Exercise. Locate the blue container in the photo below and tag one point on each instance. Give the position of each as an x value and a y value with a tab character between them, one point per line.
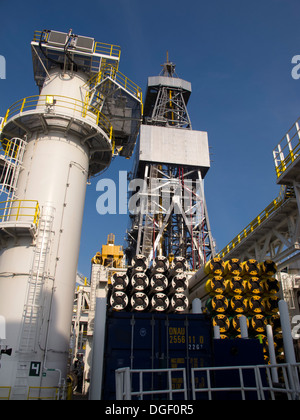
188	346
155	341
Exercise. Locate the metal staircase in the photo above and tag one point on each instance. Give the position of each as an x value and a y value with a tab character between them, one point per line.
120	100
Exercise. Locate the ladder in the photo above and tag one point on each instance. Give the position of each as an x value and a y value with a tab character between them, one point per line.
36	282
34	302
93	98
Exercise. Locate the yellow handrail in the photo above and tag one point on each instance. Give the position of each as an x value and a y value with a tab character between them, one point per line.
20	210
288	160
39	389
37	36
288	149
59	104
99	47
107	49
109	71
9	148
8	389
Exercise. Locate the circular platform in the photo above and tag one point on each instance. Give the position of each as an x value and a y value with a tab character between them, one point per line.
68	115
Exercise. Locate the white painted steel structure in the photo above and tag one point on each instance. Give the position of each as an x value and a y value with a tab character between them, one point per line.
67	139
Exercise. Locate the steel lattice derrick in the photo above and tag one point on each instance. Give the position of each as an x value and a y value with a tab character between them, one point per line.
174	217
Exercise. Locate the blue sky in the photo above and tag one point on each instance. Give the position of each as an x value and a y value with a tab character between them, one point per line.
237	55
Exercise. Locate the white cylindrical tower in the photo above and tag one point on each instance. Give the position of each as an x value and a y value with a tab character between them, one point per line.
67	139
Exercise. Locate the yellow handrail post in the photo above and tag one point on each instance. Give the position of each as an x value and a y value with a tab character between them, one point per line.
36	213
18	212
7	147
6	116
23	104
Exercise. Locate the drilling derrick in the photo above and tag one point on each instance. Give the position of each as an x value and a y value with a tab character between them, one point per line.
86	112
172	160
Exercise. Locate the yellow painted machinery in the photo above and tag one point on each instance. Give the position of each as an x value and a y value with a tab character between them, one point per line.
111	255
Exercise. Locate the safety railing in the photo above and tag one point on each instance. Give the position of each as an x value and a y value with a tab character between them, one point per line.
60	105
11	148
20	210
5	392
110	71
12	152
247	382
43	393
6	148
99	47
124	382
288	149
265	214
107	49
37	36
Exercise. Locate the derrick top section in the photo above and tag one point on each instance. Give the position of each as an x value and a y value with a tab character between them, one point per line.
166	99
166	135
168	68
51	49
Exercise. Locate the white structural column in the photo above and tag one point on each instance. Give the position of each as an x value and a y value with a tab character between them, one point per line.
55	171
